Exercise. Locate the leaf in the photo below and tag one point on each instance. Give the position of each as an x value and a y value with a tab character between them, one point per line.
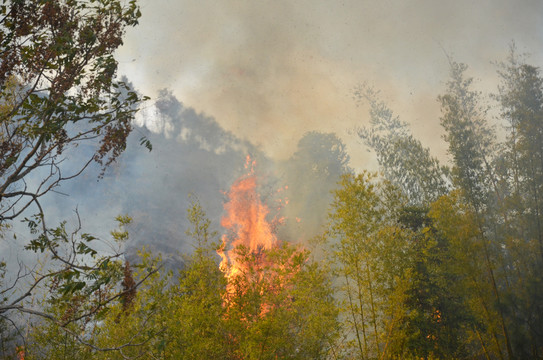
72	287
147	143
161	345
82	248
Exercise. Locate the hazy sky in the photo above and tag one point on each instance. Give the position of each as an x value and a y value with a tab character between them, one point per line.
271	70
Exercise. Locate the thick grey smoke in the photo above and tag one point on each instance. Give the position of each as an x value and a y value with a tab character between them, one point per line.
269	71
193	154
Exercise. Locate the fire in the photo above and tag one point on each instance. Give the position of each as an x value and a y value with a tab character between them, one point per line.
246	224
20	352
254	261
260	270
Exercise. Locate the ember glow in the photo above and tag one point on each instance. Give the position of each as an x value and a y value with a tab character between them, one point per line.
246	224
20	353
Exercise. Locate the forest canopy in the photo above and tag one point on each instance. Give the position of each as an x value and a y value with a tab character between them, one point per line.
428	259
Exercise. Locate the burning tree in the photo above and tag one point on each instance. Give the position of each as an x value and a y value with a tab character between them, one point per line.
278	304
249	232
278	308
283	308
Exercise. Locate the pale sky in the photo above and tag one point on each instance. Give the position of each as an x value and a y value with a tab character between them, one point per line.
271	70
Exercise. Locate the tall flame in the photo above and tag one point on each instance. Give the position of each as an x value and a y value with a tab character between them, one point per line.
246	223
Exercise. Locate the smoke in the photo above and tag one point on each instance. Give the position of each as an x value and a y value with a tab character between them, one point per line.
193	158
271	71
257	78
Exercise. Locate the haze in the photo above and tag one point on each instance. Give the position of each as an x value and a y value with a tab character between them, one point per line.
271	71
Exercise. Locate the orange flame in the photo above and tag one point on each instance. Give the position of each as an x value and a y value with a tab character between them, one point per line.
245	222
20	352
253	259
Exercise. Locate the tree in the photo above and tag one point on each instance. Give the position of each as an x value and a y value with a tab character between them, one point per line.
435	301
58	91
76	299
139	325
194	314
311	174
469	137
471	144
396	280
521	99
405	162
455	220
368	262
283	308
8	333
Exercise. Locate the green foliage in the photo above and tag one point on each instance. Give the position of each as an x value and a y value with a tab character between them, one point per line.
521	179
405	162
368	263
7	335
59	89
437	311
469	137
136	330
281	309
455	221
397	285
501	187
426	263
315	168
78	297
193	316
281	306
